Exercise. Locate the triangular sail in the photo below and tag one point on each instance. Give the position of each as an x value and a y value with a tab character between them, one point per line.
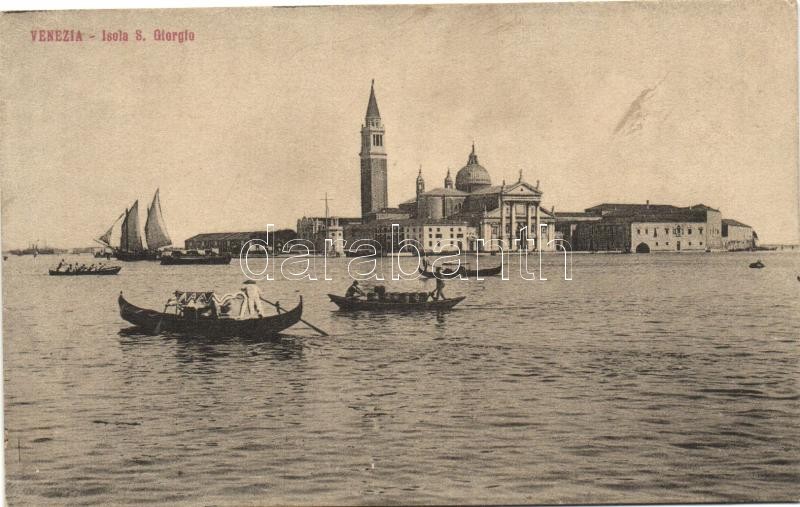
106	238
155	231
131	240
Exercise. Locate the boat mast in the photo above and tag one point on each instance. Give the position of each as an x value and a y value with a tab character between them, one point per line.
123	239
327	232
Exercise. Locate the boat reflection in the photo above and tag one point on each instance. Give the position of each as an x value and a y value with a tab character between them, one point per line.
198	349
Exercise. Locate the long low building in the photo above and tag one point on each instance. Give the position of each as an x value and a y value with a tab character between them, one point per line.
644	228
232	242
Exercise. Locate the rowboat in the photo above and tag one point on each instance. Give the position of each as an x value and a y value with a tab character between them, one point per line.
111	270
353	304
757	265
155	322
462	271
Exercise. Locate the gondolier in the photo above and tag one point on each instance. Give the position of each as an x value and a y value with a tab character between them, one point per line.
252	299
439	292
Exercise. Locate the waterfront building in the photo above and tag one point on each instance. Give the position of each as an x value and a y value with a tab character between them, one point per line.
232	242
440	235
317	229
738	236
643	228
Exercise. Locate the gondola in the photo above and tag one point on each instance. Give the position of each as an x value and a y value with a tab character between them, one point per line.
155	322
462	271
352	304
111	270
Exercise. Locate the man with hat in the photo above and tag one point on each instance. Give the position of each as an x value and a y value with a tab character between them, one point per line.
252	298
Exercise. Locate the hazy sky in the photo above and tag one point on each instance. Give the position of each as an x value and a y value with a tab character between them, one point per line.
255	120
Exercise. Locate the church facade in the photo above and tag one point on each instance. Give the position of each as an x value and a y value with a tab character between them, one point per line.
505	214
470	212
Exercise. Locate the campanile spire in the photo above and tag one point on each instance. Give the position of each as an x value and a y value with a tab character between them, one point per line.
374	192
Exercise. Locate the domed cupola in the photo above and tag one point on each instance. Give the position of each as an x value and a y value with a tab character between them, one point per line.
472	176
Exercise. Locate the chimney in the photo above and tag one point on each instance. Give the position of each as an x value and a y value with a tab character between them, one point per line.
648	204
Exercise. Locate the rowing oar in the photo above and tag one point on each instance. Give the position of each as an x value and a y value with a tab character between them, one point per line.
161	320
307	323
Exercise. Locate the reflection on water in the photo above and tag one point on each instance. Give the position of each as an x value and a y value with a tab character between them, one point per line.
655	378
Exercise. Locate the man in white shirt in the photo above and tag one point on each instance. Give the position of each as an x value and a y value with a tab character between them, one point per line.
252	299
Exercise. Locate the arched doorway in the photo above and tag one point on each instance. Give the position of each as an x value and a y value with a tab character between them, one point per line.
642	248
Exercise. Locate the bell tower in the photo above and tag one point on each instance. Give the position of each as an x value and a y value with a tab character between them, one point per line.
374	194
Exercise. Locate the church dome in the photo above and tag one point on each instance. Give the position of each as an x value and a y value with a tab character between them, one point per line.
473	175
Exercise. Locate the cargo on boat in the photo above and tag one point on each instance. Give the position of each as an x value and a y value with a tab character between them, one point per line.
403	304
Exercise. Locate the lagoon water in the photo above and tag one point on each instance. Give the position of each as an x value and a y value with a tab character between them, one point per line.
647	378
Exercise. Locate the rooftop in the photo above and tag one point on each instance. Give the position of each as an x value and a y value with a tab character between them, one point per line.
735	223
445	192
222	236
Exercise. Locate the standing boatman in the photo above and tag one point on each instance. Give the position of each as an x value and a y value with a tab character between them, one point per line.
439	292
252	299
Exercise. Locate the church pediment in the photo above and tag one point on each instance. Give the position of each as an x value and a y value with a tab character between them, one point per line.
521	189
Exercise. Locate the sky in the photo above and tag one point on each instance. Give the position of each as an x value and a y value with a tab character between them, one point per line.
256	119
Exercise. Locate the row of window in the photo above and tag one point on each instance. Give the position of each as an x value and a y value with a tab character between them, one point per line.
438	229
690	243
431	244
677	231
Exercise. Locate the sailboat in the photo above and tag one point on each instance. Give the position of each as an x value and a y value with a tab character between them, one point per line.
131	247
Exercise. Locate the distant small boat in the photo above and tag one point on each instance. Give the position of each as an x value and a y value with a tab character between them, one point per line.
757	264
354	304
462	271
193	257
110	270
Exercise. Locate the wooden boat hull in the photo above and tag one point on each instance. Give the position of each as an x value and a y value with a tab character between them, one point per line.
168	260
135	256
462	271
350	304
155	322
100	272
